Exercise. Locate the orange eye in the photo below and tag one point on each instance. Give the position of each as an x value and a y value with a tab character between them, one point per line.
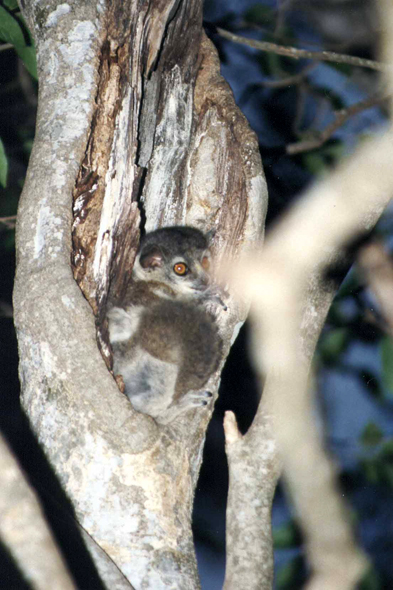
180	268
206	263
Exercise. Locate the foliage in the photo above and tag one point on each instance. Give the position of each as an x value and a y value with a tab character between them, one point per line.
17	110
3	165
13	30
387	363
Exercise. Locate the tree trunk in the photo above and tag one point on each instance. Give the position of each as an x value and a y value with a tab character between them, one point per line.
135	128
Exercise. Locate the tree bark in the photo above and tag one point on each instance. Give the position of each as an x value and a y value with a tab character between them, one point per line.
134	122
24	530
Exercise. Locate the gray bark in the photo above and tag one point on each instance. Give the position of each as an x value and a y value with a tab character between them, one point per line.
133	114
24	530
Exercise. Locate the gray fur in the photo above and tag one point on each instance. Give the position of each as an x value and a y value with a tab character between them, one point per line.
165	342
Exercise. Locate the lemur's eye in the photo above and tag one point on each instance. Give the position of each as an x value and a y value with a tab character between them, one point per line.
180	268
206	263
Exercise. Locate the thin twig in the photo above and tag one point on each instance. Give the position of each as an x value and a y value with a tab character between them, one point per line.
9	221
296	53
6	46
322	107
290	80
288	40
282	9
342	117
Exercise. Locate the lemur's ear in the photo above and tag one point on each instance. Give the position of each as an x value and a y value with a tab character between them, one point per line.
210	235
151	257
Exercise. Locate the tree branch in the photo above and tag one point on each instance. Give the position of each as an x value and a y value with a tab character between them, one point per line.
6	46
9	221
341	117
290	80
278	281
290	301
24	530
296	53
254	469
204	169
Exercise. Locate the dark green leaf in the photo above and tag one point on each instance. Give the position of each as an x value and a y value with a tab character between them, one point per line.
29	35
11	4
289	576
387	363
333	344
3	165
334	150
336	318
349	286
28	56
314	162
387	449
370	468
274	65
286	536
9	241
27	146
259	14
387	474
371	581
371	435
10	29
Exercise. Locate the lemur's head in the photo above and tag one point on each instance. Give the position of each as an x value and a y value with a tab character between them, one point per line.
177	256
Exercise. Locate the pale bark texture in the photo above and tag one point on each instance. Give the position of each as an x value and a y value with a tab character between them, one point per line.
135	126
254	469
24	530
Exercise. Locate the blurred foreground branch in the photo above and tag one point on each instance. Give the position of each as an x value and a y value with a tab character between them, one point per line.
290	299
24	530
279	281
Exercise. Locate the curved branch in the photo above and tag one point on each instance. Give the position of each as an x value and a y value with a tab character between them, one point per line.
280	281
